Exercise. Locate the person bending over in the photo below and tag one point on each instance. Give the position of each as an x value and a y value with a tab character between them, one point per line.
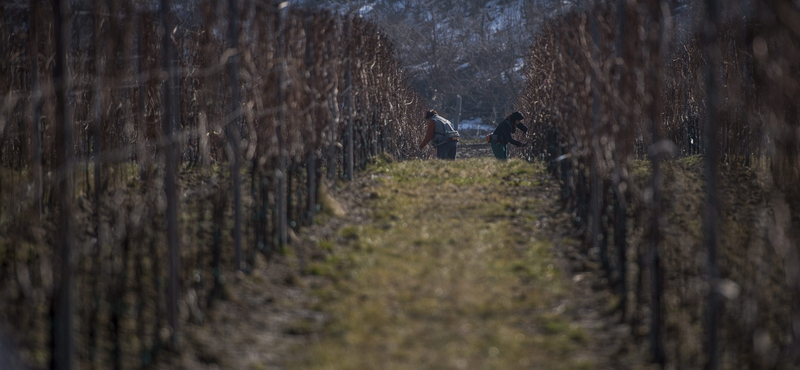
502	135
441	135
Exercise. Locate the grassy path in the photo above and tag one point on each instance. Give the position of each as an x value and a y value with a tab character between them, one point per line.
451	268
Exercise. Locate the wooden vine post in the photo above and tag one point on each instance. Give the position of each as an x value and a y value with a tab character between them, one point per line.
63	346
711	212
169	122
233	130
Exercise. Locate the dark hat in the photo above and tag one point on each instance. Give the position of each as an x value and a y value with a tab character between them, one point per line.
516	116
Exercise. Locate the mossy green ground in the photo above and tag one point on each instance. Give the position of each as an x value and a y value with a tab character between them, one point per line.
448	271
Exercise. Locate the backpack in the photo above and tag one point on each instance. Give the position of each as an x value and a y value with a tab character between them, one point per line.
444	131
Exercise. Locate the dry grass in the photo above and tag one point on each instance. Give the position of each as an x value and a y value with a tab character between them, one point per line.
447	273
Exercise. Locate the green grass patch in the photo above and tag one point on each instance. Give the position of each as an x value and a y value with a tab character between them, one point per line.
349	232
325	245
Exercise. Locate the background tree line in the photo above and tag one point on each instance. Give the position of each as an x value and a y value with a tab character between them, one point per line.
473	48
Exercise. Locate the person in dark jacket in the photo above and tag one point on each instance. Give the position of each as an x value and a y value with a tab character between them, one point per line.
502	135
441	135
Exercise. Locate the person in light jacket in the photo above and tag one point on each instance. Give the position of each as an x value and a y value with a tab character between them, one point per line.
441	135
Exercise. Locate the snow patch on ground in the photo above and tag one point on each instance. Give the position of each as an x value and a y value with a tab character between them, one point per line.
365	10
474	124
